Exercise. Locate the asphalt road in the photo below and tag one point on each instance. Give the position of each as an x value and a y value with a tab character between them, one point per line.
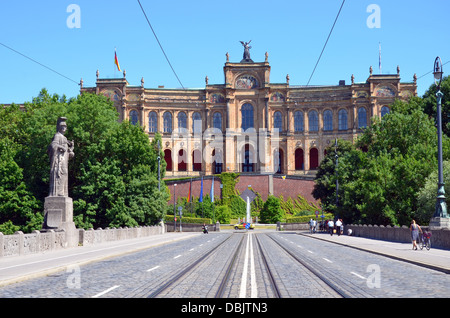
232	266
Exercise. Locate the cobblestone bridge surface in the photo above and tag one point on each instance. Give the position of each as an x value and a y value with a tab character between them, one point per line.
232	262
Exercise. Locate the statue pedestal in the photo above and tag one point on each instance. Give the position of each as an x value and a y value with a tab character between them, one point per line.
58	215
439	223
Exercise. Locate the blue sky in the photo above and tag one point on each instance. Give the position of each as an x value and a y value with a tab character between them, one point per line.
197	34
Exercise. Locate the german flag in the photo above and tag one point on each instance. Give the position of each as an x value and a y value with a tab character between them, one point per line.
116	61
189	194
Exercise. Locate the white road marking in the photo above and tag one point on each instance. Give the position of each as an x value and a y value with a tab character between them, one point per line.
254	290
326	259
242	291
243	288
105	291
357	275
177	256
153	268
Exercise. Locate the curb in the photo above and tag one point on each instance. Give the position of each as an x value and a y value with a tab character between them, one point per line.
418	263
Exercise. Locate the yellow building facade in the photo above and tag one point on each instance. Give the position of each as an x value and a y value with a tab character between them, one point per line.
248	124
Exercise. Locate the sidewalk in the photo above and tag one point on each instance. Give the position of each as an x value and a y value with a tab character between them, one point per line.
437	259
18	268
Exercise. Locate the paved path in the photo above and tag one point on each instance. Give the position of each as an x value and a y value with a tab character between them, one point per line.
18	268
437	259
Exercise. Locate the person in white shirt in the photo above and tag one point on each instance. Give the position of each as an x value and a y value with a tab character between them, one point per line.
339	227
331	226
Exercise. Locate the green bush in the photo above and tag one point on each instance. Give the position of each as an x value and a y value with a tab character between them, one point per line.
306	218
169	218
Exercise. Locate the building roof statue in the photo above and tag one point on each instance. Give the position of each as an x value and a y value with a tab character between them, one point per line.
247	47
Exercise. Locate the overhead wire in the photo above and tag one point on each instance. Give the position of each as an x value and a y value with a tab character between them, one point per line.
323	49
159	43
39	63
430	71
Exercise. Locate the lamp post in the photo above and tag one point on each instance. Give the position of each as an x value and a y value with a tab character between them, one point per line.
159	167
175	207
440	218
337	180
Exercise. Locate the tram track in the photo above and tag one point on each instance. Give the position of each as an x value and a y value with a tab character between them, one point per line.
313	270
232	272
194	266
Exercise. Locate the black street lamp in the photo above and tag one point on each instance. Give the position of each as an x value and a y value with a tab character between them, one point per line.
159	166
440	217
336	172
175	207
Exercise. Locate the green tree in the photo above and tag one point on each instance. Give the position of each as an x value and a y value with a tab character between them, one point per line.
206	208
223	214
427	195
113	176
401	156
430	104
119	186
271	212
18	207
229	181
380	176
237	206
350	163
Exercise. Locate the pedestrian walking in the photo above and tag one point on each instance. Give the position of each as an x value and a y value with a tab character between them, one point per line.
339	227
312	226
331	227
415	228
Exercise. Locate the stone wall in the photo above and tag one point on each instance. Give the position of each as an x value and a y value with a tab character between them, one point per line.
290	186
98	236
191	227
439	238
37	242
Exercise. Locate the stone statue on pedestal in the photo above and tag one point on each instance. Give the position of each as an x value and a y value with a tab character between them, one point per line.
60	151
58	206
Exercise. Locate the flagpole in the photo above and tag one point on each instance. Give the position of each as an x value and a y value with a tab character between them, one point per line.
190	195
379	58
212	200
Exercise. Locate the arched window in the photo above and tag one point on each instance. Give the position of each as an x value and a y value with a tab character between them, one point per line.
327	120
313	120
217	163
167	117
196	160
134	117
362	118
217	120
313	159
196	122
298	121
182	159
248	165
182	120
384	111
168	159
278	160
277	121
247	116
342	119
152	122
299	159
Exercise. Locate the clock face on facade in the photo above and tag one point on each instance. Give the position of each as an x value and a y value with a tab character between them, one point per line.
246	82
